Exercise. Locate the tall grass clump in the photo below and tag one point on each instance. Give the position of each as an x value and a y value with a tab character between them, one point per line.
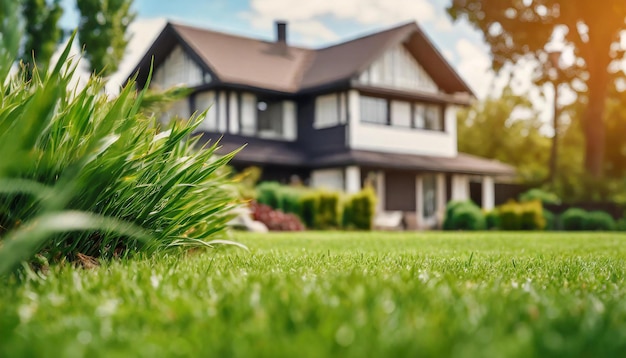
85	174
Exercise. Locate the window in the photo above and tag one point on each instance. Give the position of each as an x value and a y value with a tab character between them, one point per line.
429	195
374	110
270	118
433	118
419	119
401	114
330	110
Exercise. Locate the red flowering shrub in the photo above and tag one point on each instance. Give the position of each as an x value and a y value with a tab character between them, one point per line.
275	220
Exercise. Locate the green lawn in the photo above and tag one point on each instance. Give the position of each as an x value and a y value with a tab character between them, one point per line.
335	294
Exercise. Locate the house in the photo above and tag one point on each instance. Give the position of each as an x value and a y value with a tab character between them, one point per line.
379	109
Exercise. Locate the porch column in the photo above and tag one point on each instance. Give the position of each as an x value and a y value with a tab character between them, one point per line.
380	191
441	196
460	187
353	179
488	193
419	203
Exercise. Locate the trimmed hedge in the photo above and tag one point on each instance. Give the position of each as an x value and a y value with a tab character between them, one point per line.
573	219
464	215
598	221
359	210
522	216
328	215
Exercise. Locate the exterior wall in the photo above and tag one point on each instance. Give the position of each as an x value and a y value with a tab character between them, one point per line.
317	141
460	187
397	68
353	179
375	137
332	179
179	69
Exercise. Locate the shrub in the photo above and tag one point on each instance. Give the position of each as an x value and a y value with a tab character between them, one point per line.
275	220
359	210
543	196
309	203
290	200
573	219
464	216
621	224
522	216
598	221
268	193
550	219
492	219
328	214
82	174
450	208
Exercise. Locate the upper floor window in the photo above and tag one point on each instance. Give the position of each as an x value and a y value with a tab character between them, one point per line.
374	110
330	110
428	116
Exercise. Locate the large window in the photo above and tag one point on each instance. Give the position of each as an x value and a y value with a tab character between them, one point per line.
428	116
270	118
374	110
330	110
429	195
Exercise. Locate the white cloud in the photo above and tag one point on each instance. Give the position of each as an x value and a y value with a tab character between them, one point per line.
306	17
475	67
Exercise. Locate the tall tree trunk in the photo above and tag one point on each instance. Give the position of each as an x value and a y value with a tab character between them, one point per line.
594	126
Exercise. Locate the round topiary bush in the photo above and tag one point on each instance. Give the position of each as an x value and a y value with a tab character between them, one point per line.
573	219
598	221
468	216
550	218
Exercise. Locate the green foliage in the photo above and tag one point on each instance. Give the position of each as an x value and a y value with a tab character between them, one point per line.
83	174
309	204
543	196
268	193
102	29
41	33
359	210
489	129
550	219
518	30
598	221
522	216
573	219
492	219
464	216
328	215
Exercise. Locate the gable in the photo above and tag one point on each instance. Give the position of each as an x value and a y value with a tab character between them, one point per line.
179	68
397	68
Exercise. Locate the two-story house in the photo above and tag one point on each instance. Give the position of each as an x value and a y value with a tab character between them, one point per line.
379	109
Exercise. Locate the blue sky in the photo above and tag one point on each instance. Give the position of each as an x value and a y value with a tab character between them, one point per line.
312	23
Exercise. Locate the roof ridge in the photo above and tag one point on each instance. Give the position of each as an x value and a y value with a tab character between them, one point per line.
369	34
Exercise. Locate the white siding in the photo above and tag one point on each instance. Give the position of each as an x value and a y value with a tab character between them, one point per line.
397	68
206	100
290	130
248	114
392	139
221	116
233	113
331	179
178	69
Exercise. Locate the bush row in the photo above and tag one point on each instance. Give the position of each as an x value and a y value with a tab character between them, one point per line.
321	209
528	215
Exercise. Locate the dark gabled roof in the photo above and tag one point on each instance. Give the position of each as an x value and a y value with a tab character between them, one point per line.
274	66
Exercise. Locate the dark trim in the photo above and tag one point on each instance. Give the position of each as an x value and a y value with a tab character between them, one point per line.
192	104
335	86
390	93
388	111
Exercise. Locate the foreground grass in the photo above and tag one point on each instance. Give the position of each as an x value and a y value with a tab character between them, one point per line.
334	294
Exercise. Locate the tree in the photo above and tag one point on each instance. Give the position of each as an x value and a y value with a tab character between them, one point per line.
518	28
102	30
489	129
41	32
